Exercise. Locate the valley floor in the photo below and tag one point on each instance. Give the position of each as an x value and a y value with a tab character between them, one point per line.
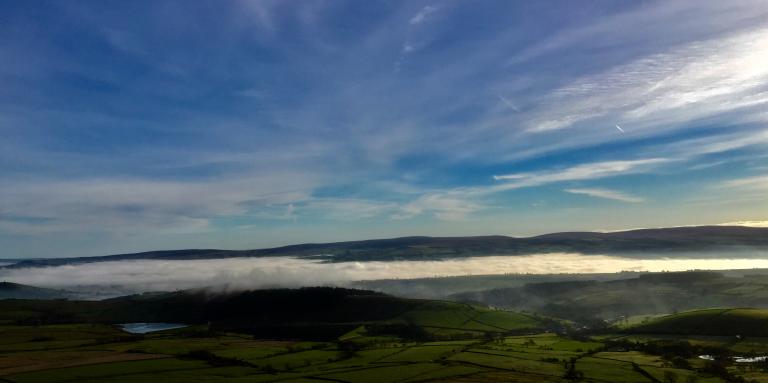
99	353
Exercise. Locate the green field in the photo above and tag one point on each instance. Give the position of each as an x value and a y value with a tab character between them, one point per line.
449	318
101	353
339	335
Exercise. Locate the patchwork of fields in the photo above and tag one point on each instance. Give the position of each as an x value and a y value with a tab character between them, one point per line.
348	336
99	353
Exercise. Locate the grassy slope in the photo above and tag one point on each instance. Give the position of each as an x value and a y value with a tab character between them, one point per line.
722	322
658	293
449	315
98	353
76	353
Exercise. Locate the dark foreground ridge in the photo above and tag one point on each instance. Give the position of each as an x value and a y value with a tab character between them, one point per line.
316	313
645	242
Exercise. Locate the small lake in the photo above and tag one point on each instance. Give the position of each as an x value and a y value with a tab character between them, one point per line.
750	360
739	359
143	328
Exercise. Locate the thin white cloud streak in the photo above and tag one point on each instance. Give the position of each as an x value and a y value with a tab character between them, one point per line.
682	151
423	14
587	171
348	208
721	143
443	206
757	183
154	275
508	103
415	39
707	165
607	194
507	177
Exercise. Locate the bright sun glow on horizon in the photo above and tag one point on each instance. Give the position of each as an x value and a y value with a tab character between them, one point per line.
747	223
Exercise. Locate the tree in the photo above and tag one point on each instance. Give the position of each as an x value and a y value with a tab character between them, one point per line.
670	377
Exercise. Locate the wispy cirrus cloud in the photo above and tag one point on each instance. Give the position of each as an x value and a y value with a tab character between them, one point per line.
415	39
691	148
457	203
423	14
607	194
589	171
663	89
748	183
444	206
348	208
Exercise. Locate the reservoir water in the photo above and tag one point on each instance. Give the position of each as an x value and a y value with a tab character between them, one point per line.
143	328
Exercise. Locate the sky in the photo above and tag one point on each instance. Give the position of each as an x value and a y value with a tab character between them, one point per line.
143	125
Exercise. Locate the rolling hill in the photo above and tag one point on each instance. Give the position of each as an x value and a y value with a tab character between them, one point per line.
719	322
644	242
306	313
10	290
653	293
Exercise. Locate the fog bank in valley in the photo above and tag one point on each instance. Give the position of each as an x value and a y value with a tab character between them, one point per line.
241	273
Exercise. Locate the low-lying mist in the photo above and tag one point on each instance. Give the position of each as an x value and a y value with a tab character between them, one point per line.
116	278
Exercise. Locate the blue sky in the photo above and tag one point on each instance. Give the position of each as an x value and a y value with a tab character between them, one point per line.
128	126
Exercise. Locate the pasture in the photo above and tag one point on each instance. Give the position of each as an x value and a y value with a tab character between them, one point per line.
98	353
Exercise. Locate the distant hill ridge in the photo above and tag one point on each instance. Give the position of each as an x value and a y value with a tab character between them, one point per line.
629	243
10	290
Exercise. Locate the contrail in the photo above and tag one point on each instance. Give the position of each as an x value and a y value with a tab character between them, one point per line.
508	103
619	128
